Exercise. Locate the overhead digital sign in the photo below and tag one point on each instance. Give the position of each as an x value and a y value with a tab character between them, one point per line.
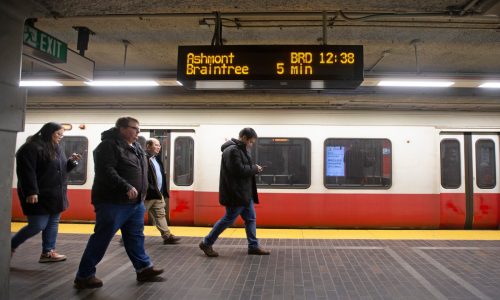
270	67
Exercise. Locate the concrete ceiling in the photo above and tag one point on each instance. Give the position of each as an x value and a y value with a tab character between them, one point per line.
447	42
447	38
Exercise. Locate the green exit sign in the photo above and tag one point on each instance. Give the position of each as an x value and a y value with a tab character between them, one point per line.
46	46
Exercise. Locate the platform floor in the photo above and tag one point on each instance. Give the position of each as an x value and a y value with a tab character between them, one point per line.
441	266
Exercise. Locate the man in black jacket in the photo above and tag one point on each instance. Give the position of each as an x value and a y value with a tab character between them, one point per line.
118	195
237	192
157	191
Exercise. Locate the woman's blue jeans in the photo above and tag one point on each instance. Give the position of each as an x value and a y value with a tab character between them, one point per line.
248	215
47	224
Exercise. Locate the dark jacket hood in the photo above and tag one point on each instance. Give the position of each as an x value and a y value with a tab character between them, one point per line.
114	134
110	134
231	142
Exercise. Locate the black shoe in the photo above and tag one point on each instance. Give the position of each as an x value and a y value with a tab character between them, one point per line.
170	239
208	250
148	274
88	283
258	251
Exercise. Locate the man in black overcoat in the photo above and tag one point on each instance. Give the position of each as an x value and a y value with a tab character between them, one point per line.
237	192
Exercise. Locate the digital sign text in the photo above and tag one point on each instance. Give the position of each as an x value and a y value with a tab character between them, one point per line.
287	65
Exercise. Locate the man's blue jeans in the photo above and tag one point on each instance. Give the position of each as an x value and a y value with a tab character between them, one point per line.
47	224
129	218
248	215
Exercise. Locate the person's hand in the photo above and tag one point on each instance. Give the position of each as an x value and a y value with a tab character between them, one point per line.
75	157
32	199
259	168
132	193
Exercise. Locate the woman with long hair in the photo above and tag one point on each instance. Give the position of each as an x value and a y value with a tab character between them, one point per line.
42	184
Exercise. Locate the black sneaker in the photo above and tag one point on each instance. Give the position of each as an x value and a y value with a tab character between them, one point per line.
208	250
258	251
170	239
148	274
88	283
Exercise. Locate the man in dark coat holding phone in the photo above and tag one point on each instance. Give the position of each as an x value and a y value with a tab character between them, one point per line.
237	192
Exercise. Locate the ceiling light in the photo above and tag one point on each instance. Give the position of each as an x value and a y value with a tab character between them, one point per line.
39	83
220	84
416	83
491	85
122	83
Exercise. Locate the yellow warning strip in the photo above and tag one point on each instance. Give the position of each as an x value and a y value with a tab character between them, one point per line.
334	234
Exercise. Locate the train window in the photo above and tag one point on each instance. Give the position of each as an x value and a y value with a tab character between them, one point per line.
183	161
450	164
286	162
485	164
358	163
76	144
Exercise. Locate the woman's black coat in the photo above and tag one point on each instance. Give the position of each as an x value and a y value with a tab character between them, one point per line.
38	175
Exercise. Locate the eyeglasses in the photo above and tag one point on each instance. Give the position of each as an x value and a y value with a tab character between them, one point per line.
136	128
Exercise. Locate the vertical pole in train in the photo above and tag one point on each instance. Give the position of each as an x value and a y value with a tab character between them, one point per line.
469	181
12	109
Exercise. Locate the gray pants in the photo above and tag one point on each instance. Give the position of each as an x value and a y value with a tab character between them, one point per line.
156	211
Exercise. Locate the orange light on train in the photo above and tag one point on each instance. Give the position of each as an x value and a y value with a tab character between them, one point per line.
67	126
82	126
280	140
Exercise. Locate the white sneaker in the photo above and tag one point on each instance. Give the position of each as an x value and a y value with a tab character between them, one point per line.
51	256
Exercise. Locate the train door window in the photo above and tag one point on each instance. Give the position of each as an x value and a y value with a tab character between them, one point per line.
183	161
163	136
76	144
485	164
286	162
450	164
358	163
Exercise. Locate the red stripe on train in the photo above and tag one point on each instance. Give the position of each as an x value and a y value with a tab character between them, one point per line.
486	211
317	210
80	208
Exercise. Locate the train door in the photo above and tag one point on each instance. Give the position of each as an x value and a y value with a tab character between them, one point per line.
182	178
470	195
486	191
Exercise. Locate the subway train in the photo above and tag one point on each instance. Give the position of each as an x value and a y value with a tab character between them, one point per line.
323	168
